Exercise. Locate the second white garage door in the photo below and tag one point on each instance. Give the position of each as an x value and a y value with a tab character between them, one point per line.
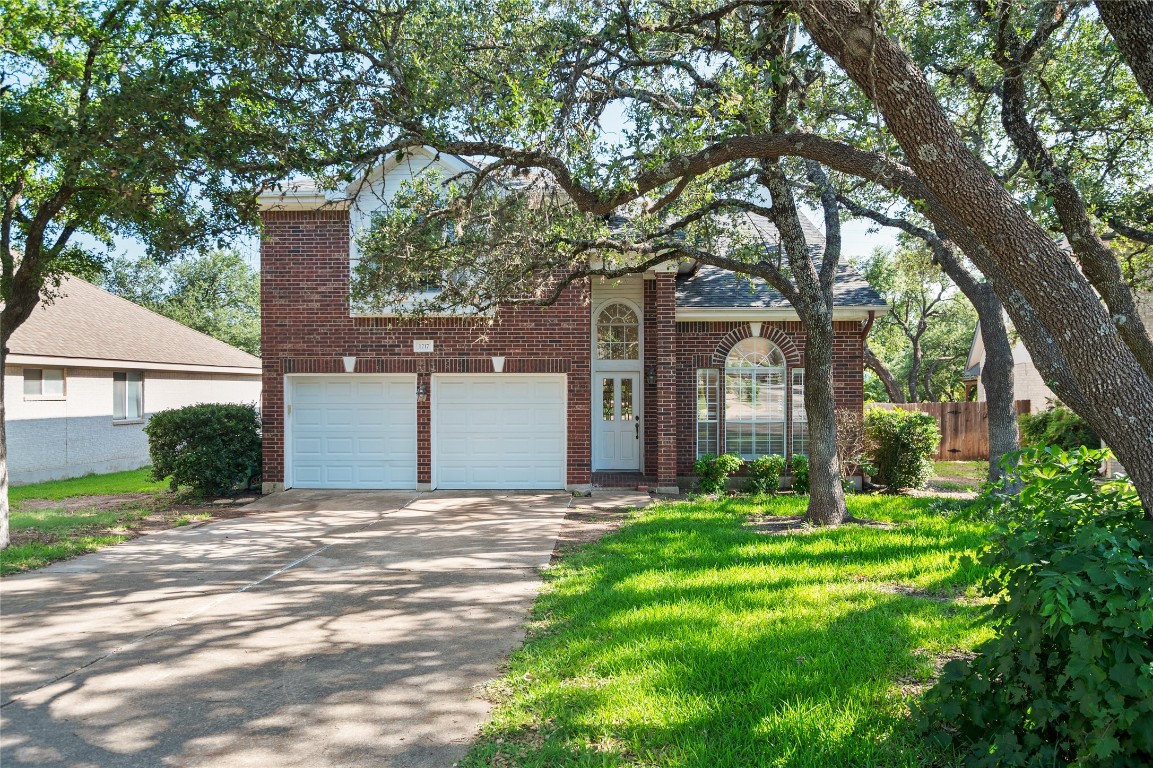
499	431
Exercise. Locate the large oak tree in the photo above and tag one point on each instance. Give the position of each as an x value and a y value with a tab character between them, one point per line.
149	119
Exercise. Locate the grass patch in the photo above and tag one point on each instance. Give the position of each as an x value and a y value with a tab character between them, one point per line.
43	536
960	474
133	481
37	554
189	518
689	639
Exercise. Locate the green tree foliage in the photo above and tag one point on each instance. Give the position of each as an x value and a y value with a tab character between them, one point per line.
925	337
216	293
1068	680
902	445
212	448
1057	427
153	119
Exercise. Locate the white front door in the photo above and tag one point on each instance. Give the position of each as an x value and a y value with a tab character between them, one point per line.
617	421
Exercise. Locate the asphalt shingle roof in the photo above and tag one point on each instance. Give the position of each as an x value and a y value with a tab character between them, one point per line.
87	322
711	287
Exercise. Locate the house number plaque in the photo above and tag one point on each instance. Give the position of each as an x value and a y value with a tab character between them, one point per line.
422	346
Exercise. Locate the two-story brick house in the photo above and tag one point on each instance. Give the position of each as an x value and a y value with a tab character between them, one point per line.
617	382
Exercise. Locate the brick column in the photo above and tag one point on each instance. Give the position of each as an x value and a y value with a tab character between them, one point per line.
664	312
424	433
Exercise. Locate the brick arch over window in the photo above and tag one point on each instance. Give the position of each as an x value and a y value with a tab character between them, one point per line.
742	331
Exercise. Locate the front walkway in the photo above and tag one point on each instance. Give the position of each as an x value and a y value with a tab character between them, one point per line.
327	629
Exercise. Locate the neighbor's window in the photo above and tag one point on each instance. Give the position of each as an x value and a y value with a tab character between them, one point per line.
618	333
800	418
44	382
127	395
755	399
708	403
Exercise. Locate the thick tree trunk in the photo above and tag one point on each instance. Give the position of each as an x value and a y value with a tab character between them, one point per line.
1026	267
1130	22
914	371
997	377
892	388
826	494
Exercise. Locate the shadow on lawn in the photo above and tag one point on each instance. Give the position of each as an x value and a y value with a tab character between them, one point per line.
694	641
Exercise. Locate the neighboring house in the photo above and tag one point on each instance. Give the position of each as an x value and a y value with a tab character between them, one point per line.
1028	383
84	373
620	382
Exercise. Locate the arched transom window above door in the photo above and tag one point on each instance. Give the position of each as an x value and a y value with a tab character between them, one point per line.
618	333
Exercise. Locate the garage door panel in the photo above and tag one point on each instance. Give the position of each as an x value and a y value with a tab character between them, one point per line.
504	431
353	432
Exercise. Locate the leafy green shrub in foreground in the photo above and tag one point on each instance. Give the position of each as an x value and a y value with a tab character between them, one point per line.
1058	427
800	467
765	473
1069	677
712	471
902	445
212	447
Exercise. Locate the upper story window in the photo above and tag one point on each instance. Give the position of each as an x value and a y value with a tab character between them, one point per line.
755	399
127	396
44	383
618	333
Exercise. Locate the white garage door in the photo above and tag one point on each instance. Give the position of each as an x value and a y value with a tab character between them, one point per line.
499	431
352	432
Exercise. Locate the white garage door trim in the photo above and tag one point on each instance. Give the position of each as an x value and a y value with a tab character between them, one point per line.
554	478
402	472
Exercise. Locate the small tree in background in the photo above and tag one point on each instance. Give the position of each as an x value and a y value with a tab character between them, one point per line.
216	293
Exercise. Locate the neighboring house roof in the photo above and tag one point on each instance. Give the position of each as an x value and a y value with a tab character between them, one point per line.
87	323
714	288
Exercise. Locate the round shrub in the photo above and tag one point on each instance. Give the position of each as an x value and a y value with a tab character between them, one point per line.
1068	679
901	446
712	471
765	473
212	448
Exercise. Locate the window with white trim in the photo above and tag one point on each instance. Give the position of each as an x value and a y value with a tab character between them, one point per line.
708	405
800	429
44	383
127	396
618	333
755	399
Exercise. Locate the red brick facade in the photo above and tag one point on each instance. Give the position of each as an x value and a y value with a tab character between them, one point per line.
307	328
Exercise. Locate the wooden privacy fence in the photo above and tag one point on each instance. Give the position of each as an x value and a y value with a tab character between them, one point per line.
964	426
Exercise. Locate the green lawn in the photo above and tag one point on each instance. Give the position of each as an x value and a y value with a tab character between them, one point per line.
959	475
43	536
133	481
690	639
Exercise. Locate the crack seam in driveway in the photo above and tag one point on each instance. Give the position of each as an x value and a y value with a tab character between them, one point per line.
197	612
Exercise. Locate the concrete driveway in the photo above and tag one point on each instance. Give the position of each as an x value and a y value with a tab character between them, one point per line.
325	629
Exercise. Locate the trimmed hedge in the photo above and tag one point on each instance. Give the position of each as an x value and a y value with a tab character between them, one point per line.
212	448
765	473
901	446
713	471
